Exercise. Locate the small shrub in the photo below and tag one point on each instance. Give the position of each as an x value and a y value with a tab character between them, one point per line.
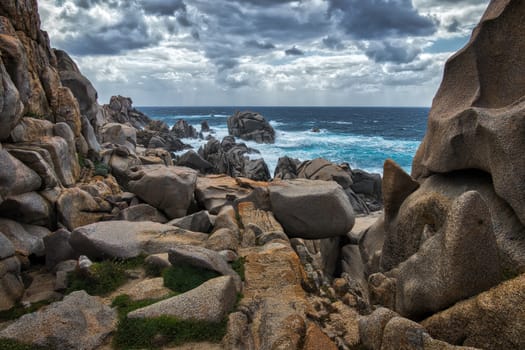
104	278
20	310
238	266
9	344
183	278
101	169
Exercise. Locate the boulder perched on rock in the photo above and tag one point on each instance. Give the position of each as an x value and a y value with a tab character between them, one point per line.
251	126
80	321
209	302
311	209
477	119
126	239
169	189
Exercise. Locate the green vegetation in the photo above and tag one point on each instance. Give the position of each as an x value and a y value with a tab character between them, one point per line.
101	169
183	278
81	160
104	277
156	332
19	310
238	266
8	344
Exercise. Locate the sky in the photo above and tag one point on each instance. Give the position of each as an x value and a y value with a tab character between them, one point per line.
262	52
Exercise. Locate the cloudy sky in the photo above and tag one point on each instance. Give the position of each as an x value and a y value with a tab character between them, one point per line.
262	52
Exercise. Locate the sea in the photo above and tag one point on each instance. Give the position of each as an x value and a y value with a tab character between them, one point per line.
361	136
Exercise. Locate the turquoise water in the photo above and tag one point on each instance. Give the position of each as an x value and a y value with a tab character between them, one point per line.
361	136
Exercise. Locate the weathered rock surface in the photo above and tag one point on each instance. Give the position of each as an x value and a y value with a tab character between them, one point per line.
28	208
15	177
80	321
77	208
210	302
274	305
477	120
182	129
491	320
231	158
57	248
169	189
126	239
311	209
198	222
456	263
216	191
11	107
120	110
119	134
27	239
251	126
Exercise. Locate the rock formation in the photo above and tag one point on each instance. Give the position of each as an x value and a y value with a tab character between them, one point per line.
251	126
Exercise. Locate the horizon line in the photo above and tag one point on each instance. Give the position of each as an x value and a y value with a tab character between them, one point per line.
280	106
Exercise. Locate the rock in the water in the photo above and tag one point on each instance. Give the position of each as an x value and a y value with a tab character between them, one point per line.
286	168
251	126
492	320
80	321
169	189
477	119
182	130
311	209
192	159
456	263
126	239
210	302
202	257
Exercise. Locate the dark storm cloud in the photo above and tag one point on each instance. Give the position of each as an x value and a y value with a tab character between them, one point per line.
333	43
385	51
294	51
263	45
379	19
163	7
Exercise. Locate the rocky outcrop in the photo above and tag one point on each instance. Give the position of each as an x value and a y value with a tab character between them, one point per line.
251	126
233	159
120	110
169	189
80	321
311	209
364	193
477	120
182	130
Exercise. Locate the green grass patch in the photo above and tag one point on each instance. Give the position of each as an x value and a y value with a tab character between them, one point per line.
9	344
104	277
156	332
20	310
238	266
183	278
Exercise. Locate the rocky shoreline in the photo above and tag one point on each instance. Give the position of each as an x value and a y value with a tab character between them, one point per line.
107	240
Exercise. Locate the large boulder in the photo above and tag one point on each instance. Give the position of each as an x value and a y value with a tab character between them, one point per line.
76	207
311	209
251	126
80	86
169	189
460	261
27	239
182	129
491	320
80	321
119	134
126	239
15	177
209	302
477	120
29	208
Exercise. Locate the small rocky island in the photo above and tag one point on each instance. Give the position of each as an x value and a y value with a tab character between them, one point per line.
109	241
